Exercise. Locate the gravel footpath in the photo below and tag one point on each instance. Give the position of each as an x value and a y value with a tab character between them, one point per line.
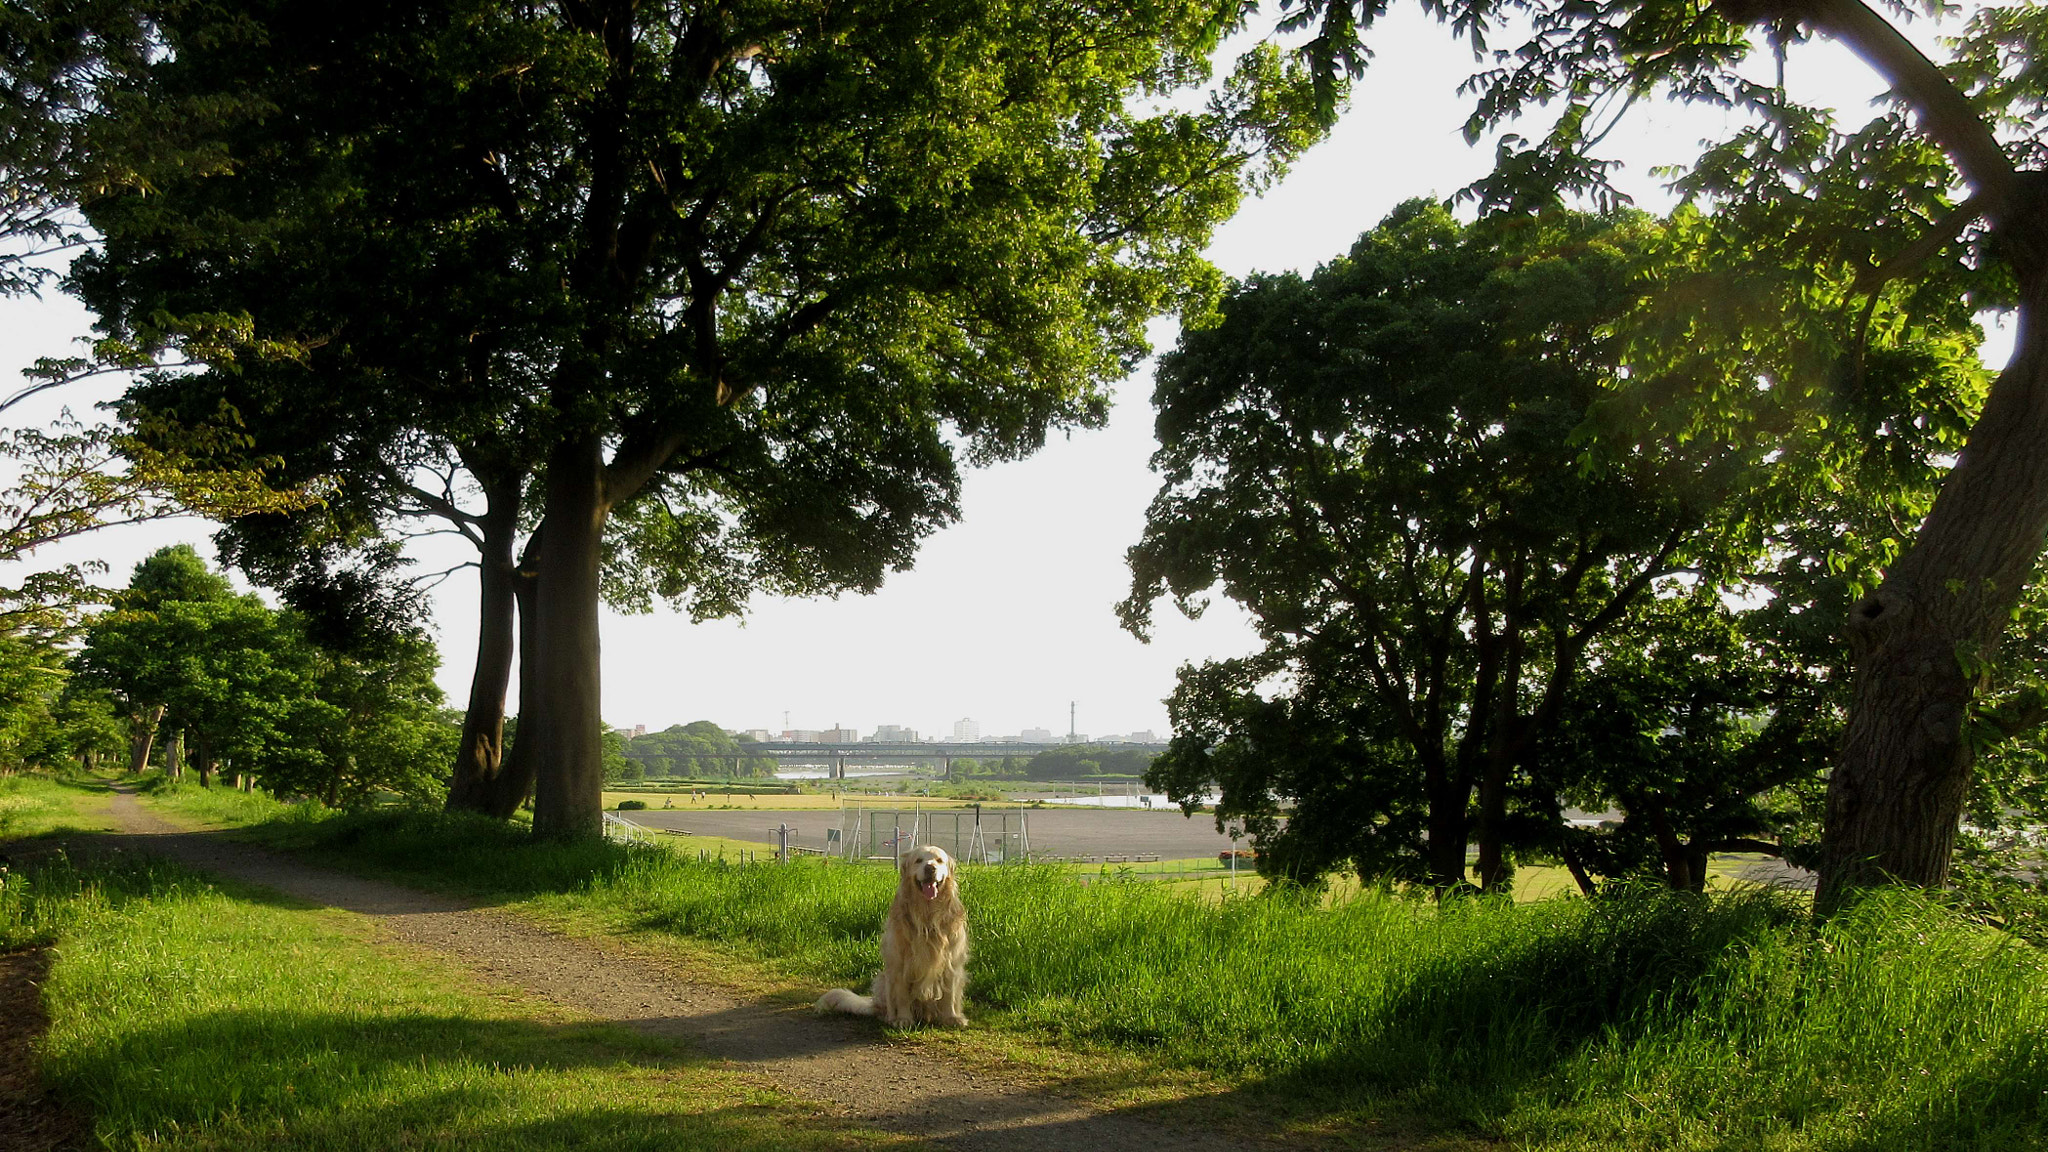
844	1063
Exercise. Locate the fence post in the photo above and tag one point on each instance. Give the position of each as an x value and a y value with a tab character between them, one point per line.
782	843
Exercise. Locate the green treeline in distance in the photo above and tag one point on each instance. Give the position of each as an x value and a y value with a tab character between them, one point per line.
1074	762
696	750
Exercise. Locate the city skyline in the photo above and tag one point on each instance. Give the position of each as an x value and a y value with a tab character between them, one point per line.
899	733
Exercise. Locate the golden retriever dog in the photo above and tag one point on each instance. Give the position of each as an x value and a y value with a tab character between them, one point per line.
924	950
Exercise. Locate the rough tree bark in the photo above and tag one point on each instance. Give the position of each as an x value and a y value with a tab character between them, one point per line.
482	781
1897	792
559	727
142	736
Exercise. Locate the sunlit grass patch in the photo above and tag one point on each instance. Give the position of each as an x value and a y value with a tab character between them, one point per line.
32	804
219	804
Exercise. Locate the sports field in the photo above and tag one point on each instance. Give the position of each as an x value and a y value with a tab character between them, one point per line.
1053	831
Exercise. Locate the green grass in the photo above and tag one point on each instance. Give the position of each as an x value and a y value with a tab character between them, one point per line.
219	804
1643	1020
188	1016
34	805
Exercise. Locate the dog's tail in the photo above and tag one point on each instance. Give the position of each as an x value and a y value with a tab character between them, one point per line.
841	1000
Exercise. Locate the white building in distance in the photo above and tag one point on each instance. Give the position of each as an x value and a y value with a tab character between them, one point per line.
966	730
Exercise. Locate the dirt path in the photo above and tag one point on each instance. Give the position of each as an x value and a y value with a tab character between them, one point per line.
844	1063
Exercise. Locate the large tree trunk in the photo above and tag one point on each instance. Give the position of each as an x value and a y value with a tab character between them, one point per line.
1450	794
174	755
481	781
1897	793
559	728
142	735
1502	728
202	759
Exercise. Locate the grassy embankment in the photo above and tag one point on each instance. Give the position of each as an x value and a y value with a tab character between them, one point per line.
1645	1020
33	805
187	1015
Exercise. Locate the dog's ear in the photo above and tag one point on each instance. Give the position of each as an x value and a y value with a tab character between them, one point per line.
903	860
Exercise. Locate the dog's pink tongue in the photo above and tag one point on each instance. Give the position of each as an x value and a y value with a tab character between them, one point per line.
930	887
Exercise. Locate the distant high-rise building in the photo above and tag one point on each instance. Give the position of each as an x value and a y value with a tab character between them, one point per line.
966	730
838	735
1036	736
894	734
1144	736
757	735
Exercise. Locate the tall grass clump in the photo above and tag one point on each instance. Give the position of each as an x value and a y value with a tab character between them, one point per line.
1896	1024
60	895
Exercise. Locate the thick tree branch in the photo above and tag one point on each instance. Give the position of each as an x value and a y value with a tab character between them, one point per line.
1945	113
1937	236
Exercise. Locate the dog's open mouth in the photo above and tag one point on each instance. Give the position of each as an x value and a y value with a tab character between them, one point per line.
930	888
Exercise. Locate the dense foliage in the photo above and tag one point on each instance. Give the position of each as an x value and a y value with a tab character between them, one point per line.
1939	188
721	295
699	749
252	691
1446	476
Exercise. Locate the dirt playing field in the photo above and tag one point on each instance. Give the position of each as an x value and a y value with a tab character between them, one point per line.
1053	831
847	1064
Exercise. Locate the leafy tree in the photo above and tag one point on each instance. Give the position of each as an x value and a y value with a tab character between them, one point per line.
133	662
366	723
1424	473
53	56
698	749
31	675
616	767
86	727
1924	636
333	699
57	61
1705	728
734	288
223	670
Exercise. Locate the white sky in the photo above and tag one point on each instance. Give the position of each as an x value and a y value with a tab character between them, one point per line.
1007	616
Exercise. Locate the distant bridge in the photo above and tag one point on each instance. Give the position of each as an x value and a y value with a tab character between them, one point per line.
834	755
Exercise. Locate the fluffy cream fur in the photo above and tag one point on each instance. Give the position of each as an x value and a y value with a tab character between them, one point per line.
924	950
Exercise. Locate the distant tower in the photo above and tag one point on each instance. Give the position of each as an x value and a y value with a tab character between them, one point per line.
1071	705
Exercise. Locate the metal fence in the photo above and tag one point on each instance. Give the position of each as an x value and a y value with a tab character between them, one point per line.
981	834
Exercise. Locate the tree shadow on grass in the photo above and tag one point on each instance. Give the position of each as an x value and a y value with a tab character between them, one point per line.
1474	1027
327	1080
472	856
1553	1029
